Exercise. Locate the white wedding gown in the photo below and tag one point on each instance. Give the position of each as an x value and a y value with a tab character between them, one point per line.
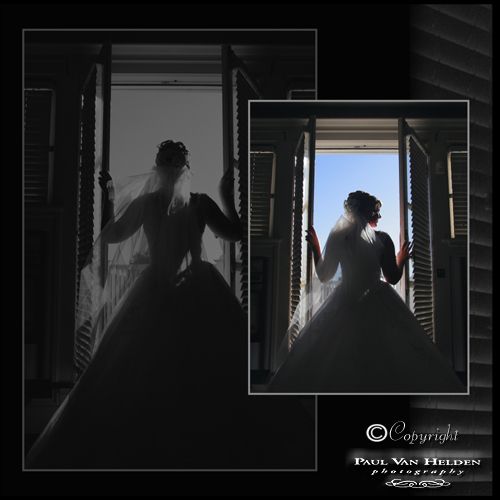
363	338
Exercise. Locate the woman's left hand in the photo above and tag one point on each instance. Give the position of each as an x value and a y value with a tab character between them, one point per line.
405	253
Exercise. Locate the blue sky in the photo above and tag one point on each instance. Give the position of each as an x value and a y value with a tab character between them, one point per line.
337	175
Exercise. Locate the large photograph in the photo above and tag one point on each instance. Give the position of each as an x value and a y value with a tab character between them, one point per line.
136	237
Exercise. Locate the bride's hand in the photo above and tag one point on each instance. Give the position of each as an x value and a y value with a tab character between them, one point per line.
104	178
312	240
405	253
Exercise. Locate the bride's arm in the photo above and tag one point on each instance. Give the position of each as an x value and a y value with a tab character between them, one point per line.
221	225
225	223
325	267
114	231
392	264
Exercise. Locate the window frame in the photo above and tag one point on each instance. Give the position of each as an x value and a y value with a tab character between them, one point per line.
131	66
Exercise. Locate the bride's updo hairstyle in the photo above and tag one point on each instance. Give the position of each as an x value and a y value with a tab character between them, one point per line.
359	201
172	167
172	154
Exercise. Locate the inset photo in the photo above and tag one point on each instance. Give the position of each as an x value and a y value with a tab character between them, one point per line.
359	247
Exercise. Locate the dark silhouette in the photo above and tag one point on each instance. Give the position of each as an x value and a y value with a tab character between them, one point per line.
362	338
166	387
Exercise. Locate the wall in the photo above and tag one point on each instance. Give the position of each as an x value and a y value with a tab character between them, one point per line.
284	142
444	248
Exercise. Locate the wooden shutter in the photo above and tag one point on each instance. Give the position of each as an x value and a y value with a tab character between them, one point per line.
245	91
457	182
451	54
261	193
85	235
37	147
95	119
303	207
296	253
310	153
238	88
423	300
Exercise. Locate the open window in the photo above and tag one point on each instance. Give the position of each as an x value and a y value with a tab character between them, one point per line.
230	80
402	147
416	206
416	285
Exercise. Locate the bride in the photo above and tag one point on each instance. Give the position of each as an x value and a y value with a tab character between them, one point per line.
362	338
166	382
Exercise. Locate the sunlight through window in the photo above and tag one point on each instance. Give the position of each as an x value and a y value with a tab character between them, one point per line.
337	175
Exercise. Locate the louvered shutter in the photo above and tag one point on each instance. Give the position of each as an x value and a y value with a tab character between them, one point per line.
85	236
310	154
296	253
37	147
238	89
261	193
451	53
95	121
423	301
245	91
303	204
457	181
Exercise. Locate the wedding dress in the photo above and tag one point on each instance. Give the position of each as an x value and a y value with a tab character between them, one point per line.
362	338
166	386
